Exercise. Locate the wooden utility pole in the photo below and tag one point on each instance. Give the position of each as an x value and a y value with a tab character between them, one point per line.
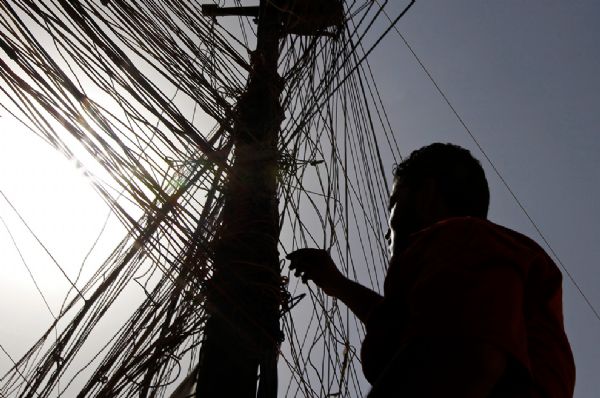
242	335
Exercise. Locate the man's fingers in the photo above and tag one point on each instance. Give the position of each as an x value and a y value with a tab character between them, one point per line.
297	254
300	270
296	263
305	262
305	253
299	267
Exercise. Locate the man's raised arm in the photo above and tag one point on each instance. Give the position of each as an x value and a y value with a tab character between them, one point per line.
317	265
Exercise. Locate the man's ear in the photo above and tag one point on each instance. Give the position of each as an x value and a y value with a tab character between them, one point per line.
431	202
426	194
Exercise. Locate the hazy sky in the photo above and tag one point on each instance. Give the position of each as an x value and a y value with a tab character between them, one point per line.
523	75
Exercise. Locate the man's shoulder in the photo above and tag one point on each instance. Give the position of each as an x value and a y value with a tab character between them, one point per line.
475	228
476	235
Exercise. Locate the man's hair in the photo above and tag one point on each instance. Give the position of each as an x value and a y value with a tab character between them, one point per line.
458	176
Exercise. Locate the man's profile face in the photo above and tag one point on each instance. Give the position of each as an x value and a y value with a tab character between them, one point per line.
403	216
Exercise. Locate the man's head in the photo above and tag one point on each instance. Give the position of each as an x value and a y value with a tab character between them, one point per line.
436	182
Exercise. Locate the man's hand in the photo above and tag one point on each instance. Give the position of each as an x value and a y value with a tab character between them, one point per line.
316	265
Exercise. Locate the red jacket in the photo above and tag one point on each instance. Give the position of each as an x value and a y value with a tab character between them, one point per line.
467	278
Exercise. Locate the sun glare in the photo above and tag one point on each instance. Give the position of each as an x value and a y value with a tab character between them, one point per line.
50	219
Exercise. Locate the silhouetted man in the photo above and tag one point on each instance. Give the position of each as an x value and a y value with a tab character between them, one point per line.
469	308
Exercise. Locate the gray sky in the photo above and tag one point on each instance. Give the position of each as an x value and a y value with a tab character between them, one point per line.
522	74
524	77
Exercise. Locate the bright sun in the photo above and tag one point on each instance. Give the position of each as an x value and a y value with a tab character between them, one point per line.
59	205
